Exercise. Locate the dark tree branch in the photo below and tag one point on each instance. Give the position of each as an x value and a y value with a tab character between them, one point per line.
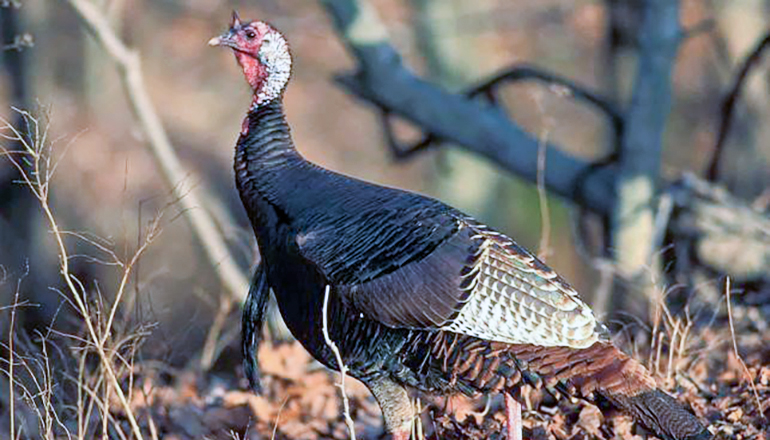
398	151
489	90
483	128
383	80
728	105
526	72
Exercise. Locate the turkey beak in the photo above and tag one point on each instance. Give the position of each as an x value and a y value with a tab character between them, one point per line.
226	39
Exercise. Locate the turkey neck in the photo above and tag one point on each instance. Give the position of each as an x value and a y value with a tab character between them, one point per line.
273	180
265	146
268	167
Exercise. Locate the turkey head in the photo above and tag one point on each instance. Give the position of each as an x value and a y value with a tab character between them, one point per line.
262	53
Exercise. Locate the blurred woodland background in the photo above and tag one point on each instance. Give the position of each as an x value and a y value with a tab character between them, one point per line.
627	142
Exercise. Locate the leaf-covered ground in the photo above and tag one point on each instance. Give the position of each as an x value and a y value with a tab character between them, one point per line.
302	402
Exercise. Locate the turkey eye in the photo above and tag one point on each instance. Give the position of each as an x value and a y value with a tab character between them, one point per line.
250	34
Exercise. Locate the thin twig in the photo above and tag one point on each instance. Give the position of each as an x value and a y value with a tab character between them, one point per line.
341	365
154	230
277	417
177	178
11	348
104	408
526	72
397	151
728	105
683	339
746	371
83	414
151	423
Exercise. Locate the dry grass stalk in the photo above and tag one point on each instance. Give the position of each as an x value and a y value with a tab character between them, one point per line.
36	166
11	361
278	418
746	371
669	338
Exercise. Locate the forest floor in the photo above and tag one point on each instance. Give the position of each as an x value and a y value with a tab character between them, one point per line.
301	400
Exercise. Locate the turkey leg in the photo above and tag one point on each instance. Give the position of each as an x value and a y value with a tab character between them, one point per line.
512	417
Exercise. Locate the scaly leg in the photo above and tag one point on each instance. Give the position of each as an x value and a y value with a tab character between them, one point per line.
395	404
513	417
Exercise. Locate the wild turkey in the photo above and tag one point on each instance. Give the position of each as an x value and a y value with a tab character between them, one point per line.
422	296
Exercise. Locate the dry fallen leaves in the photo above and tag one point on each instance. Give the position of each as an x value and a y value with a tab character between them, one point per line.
301	402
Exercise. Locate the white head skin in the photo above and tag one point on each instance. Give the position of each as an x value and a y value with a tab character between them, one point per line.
262	53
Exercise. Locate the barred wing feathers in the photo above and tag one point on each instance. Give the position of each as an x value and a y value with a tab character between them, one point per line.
460	277
519	300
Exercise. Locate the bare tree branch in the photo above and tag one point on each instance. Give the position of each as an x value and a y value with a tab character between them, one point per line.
489	89
526	72
728	105
177	178
481	127
384	81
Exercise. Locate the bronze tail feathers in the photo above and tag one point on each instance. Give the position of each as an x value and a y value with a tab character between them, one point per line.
604	369
486	366
629	386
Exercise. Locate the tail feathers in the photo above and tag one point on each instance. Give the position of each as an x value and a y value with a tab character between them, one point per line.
627	384
485	366
604	369
662	414
251	326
